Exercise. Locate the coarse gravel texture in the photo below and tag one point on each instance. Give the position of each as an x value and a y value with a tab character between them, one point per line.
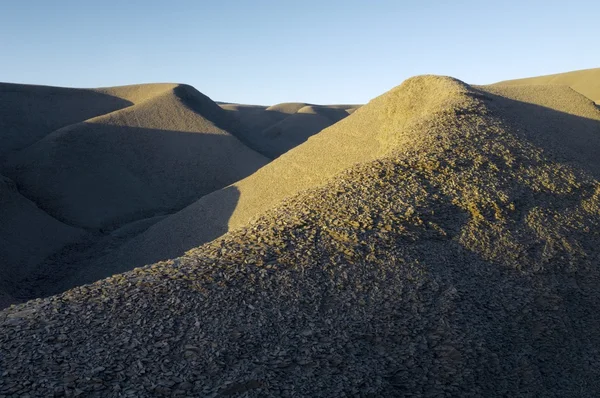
464	262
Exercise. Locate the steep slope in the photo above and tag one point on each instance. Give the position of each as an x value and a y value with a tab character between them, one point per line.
27	236
458	258
28	113
586	82
275	130
150	158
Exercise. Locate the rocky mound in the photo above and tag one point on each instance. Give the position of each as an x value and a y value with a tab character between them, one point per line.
459	258
368	133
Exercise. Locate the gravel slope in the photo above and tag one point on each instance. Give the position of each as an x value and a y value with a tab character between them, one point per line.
459	258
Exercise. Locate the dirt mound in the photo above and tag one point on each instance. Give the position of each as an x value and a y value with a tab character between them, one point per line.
459	257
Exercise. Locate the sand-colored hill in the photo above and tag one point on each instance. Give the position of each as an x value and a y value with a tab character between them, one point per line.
153	157
365	135
586	82
27	236
276	129
453	253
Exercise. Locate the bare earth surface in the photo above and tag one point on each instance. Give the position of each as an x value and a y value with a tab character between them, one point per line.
449	247
82	171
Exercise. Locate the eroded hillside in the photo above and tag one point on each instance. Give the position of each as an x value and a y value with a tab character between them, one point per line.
458	256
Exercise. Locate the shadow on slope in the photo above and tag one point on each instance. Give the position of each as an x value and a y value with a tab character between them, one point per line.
564	133
275	130
27	236
97	256
101	176
28	113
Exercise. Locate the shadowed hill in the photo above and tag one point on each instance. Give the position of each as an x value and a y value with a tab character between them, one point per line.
28	113
27	236
451	252
586	82
150	158
298	127
115	160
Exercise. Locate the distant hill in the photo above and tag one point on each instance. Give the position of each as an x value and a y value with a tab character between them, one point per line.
276	129
586	82
440	241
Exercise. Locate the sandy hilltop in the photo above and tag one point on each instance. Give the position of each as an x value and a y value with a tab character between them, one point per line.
441	240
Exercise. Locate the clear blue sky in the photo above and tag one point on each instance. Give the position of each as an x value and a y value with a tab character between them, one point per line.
265	52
